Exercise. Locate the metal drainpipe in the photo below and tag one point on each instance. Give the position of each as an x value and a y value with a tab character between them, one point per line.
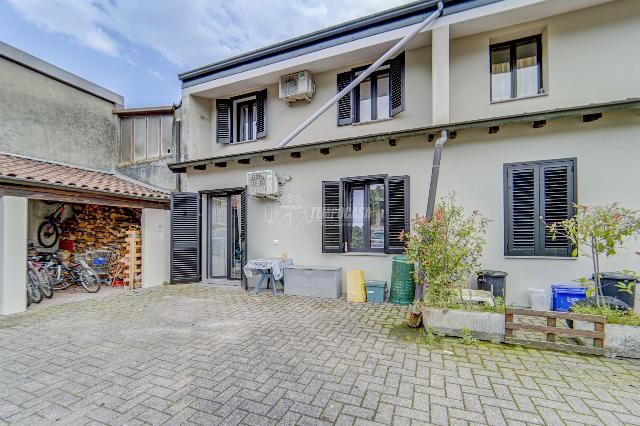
396	48
435	171
431	201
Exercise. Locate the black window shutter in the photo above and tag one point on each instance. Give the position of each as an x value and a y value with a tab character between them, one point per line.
243	238
224	121
557	199
331	226
185	237
521	209
261	119
345	108
396	212
396	85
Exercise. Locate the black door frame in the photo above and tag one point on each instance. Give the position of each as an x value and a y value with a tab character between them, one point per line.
227	192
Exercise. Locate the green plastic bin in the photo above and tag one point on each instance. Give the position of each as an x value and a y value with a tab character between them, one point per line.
402	283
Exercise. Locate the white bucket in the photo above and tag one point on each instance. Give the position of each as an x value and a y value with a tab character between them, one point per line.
540	299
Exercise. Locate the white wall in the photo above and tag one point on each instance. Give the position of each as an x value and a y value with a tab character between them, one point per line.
282	119
606	152
156	234
586	59
13	255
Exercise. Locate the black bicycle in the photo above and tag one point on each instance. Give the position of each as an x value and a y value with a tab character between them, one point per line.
49	230
63	275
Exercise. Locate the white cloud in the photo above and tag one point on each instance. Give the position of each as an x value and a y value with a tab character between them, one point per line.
190	33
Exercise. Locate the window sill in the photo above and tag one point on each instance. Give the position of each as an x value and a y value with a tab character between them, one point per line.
365	253
241	142
542	257
360	123
502	101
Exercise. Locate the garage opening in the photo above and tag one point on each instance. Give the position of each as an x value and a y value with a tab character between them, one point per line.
76	249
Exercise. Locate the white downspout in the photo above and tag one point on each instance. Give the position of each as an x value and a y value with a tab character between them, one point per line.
398	46
435	172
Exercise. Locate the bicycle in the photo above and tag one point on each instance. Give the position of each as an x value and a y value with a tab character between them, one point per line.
44	279
34	292
49	231
77	273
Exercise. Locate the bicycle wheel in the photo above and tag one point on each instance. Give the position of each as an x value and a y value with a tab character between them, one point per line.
90	280
48	234
33	286
28	297
46	283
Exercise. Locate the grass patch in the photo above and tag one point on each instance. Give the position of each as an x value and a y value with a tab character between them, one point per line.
613	316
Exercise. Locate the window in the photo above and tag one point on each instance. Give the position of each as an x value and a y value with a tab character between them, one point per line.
379	96
241	118
246	120
538	193
525	57
145	136
372	96
365	214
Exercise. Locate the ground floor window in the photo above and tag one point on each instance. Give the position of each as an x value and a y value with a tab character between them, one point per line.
537	194
365	214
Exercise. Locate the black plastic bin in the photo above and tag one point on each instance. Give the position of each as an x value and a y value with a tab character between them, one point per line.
608	283
487	278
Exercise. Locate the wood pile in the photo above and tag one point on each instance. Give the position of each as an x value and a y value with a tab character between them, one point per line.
133	270
94	226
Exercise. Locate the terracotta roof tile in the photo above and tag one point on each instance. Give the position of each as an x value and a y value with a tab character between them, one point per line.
21	168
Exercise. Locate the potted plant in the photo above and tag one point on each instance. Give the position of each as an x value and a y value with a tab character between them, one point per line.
447	250
596	232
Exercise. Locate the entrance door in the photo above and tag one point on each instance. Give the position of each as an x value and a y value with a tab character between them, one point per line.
227	235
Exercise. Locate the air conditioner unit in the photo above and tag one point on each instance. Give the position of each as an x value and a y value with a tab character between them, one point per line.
263	184
297	86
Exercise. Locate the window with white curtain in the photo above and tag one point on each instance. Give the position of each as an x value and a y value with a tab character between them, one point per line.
516	69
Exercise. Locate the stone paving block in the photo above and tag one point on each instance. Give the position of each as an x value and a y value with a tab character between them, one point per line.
311	361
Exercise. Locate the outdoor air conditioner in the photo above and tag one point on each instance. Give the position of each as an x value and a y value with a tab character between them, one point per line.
263	184
297	86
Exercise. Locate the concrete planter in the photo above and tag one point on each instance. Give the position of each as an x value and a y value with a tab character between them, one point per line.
622	341
483	325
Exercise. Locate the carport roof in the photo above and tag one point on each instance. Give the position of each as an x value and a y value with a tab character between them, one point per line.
26	171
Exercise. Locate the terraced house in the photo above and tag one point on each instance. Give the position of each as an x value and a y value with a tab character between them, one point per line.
540	101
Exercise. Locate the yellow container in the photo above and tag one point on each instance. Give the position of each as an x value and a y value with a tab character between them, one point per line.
355	286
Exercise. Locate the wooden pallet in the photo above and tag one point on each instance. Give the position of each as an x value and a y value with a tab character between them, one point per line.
552	331
133	270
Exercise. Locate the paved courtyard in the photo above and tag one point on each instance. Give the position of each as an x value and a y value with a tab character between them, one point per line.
205	355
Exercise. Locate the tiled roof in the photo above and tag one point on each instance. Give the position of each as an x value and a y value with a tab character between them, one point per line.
44	172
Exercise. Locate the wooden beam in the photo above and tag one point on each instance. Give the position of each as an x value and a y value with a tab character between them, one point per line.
200	167
244	161
221	164
494	129
538	124
591	117
324	151
357	147
269	158
392	142
296	154
81	197
430	137
453	134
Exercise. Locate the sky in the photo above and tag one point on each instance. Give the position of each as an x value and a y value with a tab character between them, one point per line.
137	48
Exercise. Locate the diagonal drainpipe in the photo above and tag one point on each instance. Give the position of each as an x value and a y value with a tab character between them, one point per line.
396	48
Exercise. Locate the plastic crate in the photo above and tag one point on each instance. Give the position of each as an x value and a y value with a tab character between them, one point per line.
376	291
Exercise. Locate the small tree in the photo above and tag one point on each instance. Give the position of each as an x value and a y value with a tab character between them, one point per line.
597	231
447	249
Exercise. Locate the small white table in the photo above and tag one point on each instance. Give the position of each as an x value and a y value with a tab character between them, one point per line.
271	269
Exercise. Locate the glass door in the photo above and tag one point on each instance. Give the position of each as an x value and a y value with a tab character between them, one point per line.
227	235
218	207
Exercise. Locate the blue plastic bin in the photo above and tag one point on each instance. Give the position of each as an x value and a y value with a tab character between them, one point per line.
563	296
376	291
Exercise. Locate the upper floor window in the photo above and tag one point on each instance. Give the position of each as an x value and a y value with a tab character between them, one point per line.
537	194
241	118
145	136
379	96
516	69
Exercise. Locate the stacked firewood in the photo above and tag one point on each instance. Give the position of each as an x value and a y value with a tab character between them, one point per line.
95	227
